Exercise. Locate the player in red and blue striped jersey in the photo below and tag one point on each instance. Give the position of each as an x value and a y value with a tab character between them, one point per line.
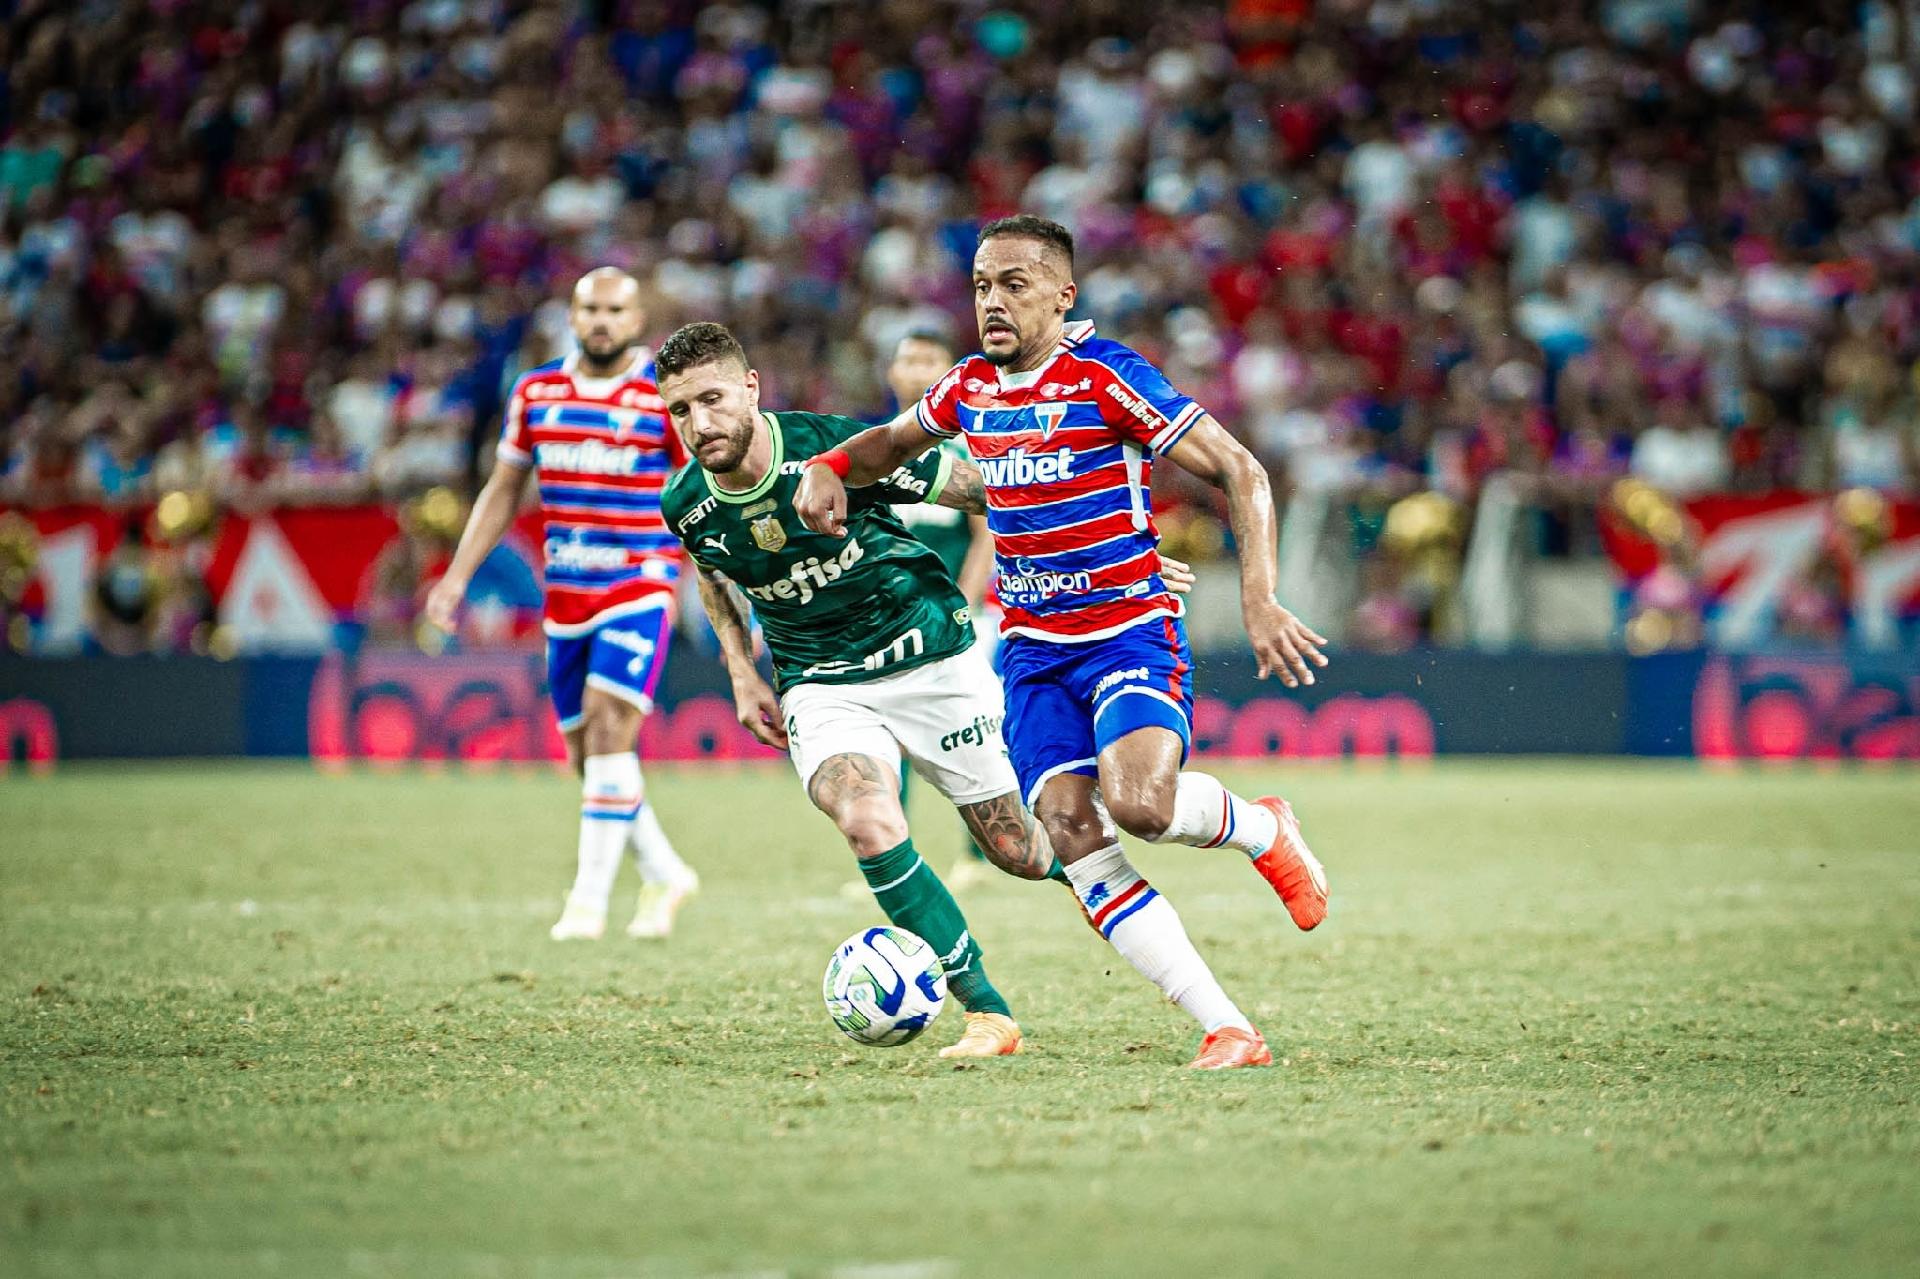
593	432
1065	426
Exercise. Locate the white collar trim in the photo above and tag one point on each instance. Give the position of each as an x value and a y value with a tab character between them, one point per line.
1070	336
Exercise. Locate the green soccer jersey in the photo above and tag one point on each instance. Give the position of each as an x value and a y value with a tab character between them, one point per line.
833	610
944	528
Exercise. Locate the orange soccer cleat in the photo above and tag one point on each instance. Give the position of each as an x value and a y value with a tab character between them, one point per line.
1230	1048
1290	866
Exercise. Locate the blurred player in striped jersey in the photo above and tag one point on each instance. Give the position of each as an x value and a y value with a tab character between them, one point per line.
959	538
593	430
1064	426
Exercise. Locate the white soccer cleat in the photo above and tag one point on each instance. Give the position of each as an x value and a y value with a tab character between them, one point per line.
579	922
659	903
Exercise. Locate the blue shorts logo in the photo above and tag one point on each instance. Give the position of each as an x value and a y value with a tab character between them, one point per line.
639	645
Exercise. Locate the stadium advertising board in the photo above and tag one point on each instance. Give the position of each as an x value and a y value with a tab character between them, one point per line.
397	706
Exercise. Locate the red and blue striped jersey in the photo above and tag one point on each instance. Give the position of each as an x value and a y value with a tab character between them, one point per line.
1066	453
602	450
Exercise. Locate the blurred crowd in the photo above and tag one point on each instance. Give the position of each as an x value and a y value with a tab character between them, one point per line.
294	252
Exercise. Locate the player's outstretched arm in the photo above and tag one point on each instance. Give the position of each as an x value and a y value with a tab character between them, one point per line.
754	702
867	458
1282	643
492	515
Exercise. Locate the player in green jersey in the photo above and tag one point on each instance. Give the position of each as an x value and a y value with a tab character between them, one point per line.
872	646
959	538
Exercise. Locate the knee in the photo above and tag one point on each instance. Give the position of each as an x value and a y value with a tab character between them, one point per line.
871	834
609	728
1074	832
1144	814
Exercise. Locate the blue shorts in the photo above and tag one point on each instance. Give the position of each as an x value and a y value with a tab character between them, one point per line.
1067	702
623	657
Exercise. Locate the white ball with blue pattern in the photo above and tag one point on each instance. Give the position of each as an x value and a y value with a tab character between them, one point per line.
884	986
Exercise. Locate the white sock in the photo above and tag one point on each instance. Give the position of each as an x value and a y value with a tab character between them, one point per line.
1145	929
609	797
654	853
1208	815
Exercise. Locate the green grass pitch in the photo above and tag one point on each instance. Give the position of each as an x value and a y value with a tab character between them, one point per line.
1565	1019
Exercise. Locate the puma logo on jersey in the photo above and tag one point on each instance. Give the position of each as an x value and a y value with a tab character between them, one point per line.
718	543
1019	467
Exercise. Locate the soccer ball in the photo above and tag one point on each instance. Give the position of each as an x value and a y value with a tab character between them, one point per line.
884	986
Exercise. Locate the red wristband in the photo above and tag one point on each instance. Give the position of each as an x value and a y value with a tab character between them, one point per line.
835	460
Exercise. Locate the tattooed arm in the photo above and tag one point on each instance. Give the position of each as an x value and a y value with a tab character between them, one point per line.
754	703
965	491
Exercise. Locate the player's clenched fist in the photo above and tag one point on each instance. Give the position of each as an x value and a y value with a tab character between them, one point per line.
822	501
1283	644
443	603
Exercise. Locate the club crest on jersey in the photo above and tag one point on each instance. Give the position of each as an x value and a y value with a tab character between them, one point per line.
768	533
1050	415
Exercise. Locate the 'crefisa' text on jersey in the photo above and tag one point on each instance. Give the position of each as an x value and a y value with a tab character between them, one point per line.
602	450
1066	454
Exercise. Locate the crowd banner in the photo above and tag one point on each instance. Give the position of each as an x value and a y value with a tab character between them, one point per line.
296	580
306	580
1744	553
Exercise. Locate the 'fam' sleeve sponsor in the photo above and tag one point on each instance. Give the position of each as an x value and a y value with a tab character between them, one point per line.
1138	402
939	409
516	444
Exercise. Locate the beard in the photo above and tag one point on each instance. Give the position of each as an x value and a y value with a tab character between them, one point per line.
732	449
1002	359
607	354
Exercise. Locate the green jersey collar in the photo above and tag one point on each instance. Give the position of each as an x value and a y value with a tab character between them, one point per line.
767	481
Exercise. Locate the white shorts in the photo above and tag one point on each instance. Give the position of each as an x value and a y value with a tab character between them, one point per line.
944	716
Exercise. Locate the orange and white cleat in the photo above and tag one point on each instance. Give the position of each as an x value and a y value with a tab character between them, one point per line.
1230	1048
986	1035
653	915
1290	866
580	921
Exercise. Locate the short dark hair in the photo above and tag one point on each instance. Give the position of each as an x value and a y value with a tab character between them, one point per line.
1031	227
692	345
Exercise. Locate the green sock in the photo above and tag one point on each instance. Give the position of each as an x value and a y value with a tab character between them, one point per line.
1059	873
914	898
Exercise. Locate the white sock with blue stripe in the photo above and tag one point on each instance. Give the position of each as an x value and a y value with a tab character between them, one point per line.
1208	815
654	853
610	795
1146	930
